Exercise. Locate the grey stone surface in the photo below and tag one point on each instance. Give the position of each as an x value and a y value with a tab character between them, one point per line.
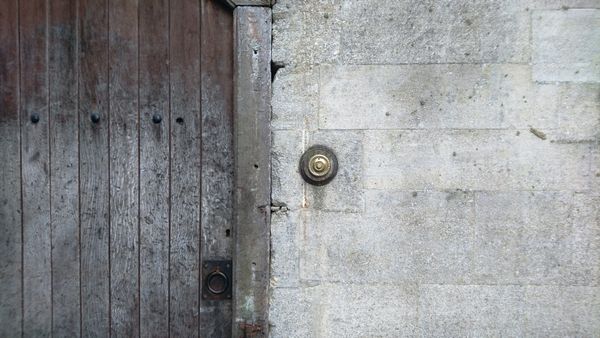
431	31
566	45
345	192
562	311
455	96
468	199
295	98
286	230
286	184
293	313
306	32
471	310
371	310
538	238
406	236
562	4
473	159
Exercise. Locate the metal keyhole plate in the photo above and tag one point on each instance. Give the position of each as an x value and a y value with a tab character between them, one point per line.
217	280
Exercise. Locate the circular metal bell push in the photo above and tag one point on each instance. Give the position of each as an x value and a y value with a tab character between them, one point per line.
318	165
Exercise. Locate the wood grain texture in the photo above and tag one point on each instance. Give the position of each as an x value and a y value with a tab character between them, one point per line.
37	275
94	168
64	169
217	154
124	168
10	173
185	167
252	148
154	169
105	220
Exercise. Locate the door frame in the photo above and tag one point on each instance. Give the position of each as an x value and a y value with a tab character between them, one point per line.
252	168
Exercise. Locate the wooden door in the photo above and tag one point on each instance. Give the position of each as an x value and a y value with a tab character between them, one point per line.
117	166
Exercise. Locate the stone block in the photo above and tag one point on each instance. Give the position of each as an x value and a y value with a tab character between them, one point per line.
369	310
408	32
455	96
562	311
580	250
550	237
403	237
306	32
287	185
473	160
566	45
291	313
295	98
471	310
286	243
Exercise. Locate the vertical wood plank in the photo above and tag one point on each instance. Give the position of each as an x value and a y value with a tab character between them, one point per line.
10	173
37	278
94	168
217	153
252	170
154	168
124	167
185	166
64	169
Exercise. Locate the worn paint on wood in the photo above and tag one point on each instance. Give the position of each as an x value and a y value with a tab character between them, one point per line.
154	168
10	174
119	207
64	159
37	274
185	166
235	3
252	146
217	154
94	168
124	167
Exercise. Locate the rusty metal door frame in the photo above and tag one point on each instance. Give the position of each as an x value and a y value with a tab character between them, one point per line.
252	172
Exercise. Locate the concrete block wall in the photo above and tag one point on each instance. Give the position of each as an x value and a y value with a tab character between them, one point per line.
468	197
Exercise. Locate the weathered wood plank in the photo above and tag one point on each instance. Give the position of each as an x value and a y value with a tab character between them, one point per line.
10	174
94	168
37	275
252	144
64	169
154	168
124	167
217	154
185	167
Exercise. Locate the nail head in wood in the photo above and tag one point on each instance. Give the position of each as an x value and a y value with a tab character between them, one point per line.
95	117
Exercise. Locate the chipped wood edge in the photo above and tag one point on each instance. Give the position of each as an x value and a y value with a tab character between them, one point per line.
252	147
260	3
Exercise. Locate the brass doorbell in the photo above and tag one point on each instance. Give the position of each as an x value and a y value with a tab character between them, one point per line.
318	165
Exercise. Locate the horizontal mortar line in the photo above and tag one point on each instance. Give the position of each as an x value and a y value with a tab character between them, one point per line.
583	83
425	64
318	283
515	284
446	129
578	191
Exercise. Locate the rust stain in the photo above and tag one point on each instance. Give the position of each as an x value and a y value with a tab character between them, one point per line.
251	330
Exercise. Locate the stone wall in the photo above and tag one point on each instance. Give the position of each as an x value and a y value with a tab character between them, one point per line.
468	197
